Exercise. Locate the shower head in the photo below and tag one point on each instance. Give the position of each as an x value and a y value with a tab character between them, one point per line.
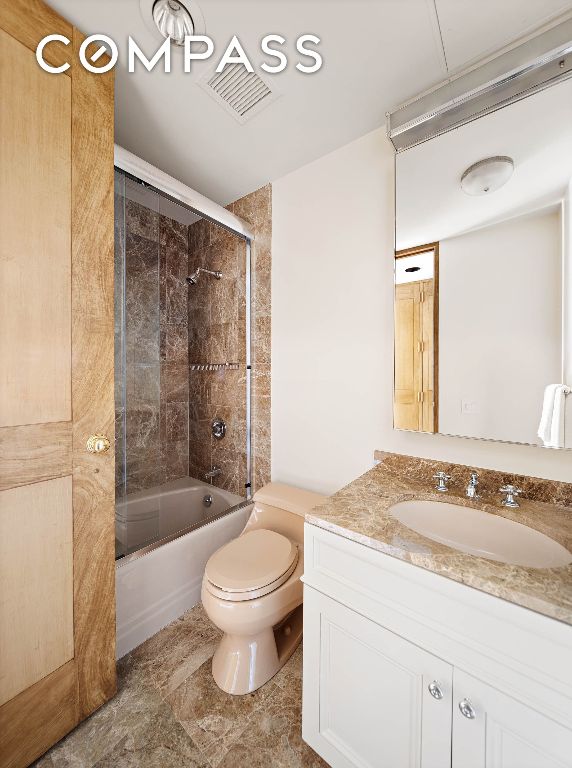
194	277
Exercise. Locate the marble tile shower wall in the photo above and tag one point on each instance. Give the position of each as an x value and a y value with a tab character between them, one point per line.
156	348
216	317
167	410
216	314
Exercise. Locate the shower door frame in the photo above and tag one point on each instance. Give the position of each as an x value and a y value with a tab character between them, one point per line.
148	175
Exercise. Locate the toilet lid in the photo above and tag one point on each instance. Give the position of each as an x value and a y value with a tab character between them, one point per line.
251	561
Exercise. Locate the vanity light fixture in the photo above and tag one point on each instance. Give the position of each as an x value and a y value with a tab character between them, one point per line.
541	61
173	20
487	175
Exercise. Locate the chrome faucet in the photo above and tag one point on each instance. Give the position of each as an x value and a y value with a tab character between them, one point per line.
509	500
214	472
471	490
442	480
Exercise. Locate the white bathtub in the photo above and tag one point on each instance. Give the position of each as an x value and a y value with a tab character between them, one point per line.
146	517
157	584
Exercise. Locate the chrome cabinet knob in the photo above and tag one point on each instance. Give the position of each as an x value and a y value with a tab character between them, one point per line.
435	690
467	709
98	444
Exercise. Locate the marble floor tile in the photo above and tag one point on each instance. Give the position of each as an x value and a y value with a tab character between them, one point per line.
127	716
214	719
173	654
169	713
165	744
273	737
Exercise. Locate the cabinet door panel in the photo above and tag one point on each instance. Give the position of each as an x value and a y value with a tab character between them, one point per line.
504	733
366	700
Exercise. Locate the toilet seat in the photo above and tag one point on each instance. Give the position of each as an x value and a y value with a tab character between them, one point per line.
253	565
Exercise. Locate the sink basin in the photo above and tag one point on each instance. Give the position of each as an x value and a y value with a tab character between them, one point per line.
481	533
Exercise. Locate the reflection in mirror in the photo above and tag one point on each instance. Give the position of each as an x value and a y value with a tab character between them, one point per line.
483	329
414	402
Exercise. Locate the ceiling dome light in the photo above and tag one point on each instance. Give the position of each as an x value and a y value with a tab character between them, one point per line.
487	175
173	20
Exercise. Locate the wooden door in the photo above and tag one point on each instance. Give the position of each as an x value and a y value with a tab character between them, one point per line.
407	412
57	604
415	357
428	336
503	732
366	693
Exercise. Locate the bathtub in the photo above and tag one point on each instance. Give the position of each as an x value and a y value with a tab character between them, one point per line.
169	532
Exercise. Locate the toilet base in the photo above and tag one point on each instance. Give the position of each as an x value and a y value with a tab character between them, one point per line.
243	663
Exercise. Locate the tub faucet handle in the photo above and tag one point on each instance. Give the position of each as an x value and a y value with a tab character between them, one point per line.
214	472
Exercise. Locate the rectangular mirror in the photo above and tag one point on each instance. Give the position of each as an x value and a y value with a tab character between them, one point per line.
483	277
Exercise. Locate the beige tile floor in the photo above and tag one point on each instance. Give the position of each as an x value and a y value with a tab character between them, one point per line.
168	712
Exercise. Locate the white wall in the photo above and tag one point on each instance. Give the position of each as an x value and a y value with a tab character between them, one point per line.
332	329
500	326
567	319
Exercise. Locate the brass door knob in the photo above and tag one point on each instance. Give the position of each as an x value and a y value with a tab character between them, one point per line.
98	444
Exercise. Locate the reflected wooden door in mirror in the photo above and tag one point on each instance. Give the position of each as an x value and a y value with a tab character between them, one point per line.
416	319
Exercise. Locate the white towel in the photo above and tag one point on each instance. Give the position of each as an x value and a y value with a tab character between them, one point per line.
551	427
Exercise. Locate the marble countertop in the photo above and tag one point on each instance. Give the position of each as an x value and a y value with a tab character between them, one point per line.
360	512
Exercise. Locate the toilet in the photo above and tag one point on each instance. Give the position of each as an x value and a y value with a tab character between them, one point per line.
252	591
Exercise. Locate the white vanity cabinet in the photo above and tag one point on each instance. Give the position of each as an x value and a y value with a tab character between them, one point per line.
407	669
366	692
503	732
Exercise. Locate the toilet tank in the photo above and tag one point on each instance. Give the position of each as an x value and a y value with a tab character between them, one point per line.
282	508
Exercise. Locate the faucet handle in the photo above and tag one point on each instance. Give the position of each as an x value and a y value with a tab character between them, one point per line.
213	472
511	492
510	489
442	480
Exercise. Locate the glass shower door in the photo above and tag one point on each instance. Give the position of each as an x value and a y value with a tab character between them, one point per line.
138	362
119	333
181	363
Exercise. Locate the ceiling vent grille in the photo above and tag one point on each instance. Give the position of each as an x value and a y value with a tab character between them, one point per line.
242	93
